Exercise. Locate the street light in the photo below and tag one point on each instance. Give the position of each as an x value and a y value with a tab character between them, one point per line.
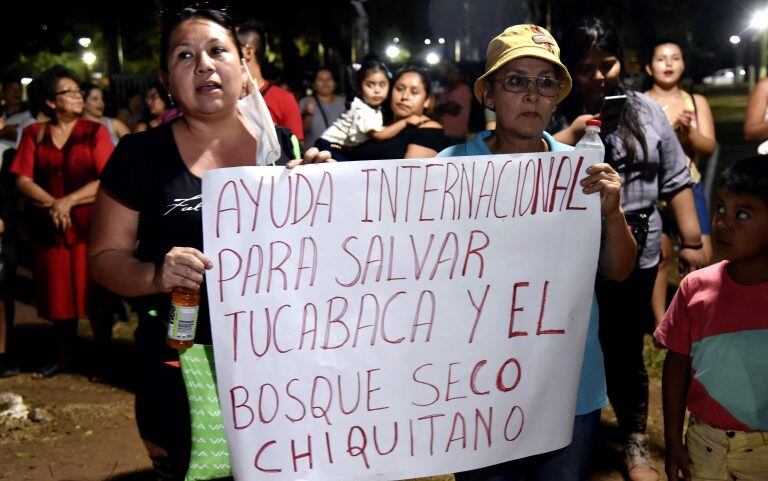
84	42
441	40
89	58
735	39
427	41
392	51
396	40
759	20
433	58
26	81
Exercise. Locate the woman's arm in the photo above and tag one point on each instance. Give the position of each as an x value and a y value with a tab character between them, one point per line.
618	250
121	129
674	386
29	189
307	113
393	129
755	126
684	210
111	255
418	151
702	137
62	207
571	134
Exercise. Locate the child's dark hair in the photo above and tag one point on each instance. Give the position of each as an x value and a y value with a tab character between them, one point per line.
369	67
748	176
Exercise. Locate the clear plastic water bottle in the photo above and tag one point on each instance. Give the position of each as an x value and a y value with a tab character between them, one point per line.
591	139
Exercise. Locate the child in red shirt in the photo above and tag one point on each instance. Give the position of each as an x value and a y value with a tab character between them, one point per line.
716	330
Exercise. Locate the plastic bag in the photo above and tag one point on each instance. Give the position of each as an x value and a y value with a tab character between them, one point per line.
210	453
255	111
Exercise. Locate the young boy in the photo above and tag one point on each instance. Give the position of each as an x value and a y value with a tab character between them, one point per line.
716	330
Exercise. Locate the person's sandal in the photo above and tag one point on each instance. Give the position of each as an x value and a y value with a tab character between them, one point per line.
49	370
8	370
637	460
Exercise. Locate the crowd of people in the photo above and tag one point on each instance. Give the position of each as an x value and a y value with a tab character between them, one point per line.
96	190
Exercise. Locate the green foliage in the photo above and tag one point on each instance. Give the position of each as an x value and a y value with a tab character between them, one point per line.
654	358
34	64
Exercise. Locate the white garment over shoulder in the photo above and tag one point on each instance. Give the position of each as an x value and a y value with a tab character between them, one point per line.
351	129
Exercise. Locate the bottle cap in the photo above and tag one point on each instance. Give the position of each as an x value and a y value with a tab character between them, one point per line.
594	122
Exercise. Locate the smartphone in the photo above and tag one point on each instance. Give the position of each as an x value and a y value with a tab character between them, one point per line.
613	106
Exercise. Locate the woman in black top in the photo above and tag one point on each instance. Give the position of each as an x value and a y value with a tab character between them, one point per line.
147	230
411	95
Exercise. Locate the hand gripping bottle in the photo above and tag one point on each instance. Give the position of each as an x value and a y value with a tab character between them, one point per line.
182	320
591	138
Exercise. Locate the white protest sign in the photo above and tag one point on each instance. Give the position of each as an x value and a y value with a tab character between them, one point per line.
395	319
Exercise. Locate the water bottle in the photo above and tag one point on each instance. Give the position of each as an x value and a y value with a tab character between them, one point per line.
591	139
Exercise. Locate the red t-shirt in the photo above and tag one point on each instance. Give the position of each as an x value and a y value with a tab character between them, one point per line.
723	327
283	108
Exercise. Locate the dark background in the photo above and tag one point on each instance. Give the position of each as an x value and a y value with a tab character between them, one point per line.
303	34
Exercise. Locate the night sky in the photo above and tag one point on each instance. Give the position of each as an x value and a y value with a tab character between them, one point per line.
29	27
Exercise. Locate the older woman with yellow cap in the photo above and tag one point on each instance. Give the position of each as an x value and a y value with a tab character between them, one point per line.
523	82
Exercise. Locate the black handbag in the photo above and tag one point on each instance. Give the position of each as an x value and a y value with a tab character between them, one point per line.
639	224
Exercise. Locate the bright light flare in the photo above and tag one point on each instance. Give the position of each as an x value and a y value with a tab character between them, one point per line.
84	42
392	51
433	58
759	20
89	58
735	39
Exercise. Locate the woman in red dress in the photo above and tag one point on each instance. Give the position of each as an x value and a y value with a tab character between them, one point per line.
57	167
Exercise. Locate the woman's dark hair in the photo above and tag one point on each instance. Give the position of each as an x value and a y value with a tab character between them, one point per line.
420	71
369	67
663	41
47	86
327	69
594	33
648	79
170	21
87	88
748	176
162	92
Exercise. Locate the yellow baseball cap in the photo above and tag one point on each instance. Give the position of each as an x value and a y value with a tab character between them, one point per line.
523	41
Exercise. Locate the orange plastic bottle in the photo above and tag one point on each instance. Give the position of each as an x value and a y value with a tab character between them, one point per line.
182	320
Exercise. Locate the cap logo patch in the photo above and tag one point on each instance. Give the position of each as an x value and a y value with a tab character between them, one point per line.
541	39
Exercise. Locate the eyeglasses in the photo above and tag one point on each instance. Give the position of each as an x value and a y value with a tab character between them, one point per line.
73	94
546	86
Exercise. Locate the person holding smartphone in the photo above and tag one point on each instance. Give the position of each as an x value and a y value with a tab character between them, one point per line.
644	149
